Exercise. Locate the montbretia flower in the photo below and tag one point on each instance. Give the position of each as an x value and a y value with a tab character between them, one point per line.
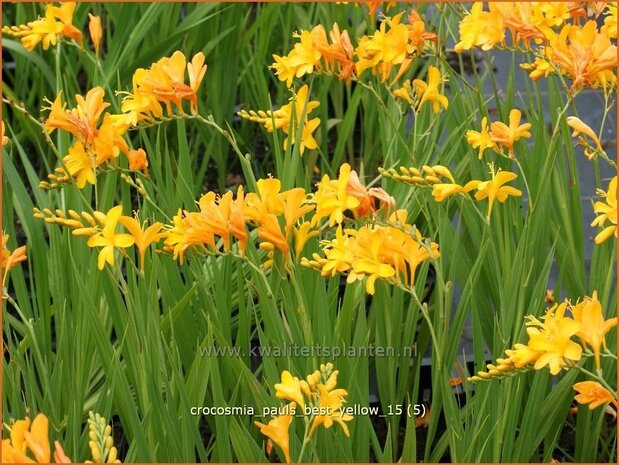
580	127
80	165
57	23
495	188
553	338
586	55
481	29
388	47
335	197
607	212
392	252
163	84
289	389
138	160
31	436
5	139
278	430
96	31
288	118
593	328
505	136
593	394
109	239
330	403
143	237
8	259
480	140
430	92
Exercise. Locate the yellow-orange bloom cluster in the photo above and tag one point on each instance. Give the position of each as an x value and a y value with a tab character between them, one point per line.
394	44
607	212
312	48
162	84
586	55
336	197
391	252
550	340
98	139
500	134
288	118
225	217
319	393
57	23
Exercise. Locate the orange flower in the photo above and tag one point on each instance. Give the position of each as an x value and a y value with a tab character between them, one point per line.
5	140
163	83
505	135
277	430
593	393
586	55
138	160
27	436
81	121
96	31
8	259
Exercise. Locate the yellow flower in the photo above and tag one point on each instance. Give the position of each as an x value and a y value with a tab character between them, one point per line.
80	165
593	327
26	436
277	430
96	31
579	127
288	119
429	91
385	49
480	140
143	238
290	389
333	199
552	337
494	189
505	135
539	68
109	239
301	235
606	212
330	403
480	29
593	393
405	92
44	30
